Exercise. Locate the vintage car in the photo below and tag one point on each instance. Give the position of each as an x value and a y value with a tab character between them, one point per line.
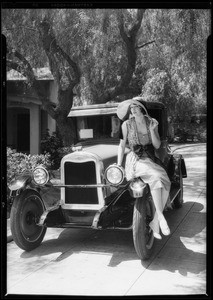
94	192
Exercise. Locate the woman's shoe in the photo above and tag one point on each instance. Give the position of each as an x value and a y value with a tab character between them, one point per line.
164	227
155	234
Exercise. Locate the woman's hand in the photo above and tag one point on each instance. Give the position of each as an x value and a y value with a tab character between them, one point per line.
156	142
153	124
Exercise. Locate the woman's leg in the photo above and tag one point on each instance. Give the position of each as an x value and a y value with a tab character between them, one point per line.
162	222
158	201
164	197
154	224
159	198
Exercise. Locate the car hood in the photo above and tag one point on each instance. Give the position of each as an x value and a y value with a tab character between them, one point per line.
107	153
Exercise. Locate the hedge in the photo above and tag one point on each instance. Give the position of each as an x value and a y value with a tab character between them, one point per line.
17	163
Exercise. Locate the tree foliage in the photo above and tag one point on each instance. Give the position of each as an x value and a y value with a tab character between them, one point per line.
176	65
96	55
73	42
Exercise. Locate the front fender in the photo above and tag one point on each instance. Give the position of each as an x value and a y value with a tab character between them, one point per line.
183	167
118	211
20	182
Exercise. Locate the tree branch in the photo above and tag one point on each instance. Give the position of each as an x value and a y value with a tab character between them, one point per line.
129	39
13	65
134	30
53	49
141	46
24	66
25	27
121	27
72	64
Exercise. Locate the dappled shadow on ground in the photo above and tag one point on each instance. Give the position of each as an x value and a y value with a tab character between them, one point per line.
118	245
195	181
177	254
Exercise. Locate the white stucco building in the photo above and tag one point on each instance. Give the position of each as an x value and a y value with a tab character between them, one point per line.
26	120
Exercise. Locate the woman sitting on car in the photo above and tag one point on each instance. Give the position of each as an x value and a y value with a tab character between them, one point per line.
141	133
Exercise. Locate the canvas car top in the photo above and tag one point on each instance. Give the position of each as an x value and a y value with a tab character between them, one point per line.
108	108
100	121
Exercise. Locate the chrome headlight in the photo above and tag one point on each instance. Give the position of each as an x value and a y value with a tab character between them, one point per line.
114	174
40	175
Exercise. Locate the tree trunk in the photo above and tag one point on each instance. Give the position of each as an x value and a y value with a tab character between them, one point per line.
66	78
66	129
129	39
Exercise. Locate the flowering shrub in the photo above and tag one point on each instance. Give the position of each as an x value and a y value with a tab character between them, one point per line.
17	163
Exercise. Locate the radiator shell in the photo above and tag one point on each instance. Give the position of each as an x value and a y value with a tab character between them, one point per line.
83	168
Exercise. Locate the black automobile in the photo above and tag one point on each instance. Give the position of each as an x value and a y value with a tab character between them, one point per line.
94	192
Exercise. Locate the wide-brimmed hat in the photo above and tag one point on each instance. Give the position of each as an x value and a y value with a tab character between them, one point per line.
124	108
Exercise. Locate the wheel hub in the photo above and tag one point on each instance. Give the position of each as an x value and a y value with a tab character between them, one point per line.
30	218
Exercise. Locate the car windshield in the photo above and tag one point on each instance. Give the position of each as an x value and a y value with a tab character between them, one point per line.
98	127
107	126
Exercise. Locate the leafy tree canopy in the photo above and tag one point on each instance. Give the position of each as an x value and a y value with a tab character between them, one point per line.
96	55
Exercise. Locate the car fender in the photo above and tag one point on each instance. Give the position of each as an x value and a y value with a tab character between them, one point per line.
103	216
180	165
22	183
118	203
183	167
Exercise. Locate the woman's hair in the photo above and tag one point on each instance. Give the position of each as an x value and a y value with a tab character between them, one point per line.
141	109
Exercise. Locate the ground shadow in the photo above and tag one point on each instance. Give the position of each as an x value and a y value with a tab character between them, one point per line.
119	244
174	255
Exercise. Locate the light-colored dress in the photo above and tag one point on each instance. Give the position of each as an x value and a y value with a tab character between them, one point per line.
143	165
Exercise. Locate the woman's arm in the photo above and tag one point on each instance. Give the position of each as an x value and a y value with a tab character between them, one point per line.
121	147
154	133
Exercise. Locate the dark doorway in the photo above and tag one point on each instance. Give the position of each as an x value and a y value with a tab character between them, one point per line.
23	133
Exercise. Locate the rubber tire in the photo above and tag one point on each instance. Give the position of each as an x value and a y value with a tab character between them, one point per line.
178	201
142	234
26	208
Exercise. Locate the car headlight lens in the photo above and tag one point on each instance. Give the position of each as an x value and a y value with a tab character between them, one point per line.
137	187
114	174
40	175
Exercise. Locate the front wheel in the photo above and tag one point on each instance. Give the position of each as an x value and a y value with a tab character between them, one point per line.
26	211
142	234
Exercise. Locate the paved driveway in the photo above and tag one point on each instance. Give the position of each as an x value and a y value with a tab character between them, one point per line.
87	262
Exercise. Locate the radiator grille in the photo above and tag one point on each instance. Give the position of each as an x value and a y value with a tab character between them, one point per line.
80	173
